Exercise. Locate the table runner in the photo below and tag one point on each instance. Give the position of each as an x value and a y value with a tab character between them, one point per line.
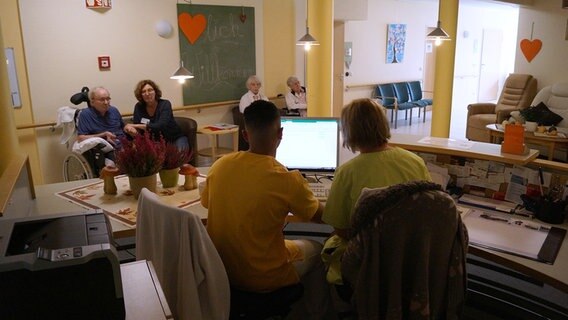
122	206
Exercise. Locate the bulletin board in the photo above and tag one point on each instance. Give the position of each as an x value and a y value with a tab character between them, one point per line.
217	44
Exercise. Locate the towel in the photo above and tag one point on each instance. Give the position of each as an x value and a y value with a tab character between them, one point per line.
87	144
66	119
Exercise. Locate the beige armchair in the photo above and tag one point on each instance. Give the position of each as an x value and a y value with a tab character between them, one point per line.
518	92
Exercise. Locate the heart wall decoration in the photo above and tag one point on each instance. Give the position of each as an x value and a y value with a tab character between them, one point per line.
192	27
529	47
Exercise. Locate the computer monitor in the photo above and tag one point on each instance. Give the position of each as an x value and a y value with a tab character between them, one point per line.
309	144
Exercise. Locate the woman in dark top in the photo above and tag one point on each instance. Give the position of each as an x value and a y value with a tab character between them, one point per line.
155	114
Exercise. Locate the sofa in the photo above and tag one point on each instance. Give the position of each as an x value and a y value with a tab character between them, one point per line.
555	97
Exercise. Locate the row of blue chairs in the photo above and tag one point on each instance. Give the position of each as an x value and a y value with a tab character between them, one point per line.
405	96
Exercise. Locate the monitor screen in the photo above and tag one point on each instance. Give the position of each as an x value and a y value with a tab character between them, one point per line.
309	144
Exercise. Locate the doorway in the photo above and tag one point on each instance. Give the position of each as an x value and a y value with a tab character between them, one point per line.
490	65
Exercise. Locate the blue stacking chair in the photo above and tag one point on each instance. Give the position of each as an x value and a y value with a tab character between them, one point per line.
415	90
403	99
386	93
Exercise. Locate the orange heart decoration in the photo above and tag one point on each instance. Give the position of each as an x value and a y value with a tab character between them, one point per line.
530	48
192	27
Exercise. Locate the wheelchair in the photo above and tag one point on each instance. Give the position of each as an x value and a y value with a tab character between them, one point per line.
86	165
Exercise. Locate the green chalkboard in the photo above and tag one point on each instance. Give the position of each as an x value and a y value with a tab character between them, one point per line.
217	45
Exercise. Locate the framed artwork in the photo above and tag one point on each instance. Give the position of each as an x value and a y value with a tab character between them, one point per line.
396	37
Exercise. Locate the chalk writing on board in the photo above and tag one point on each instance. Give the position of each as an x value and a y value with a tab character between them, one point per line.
218	46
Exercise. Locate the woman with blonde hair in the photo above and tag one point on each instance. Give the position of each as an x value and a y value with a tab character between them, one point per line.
365	128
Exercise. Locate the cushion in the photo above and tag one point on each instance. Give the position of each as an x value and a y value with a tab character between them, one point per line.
541	114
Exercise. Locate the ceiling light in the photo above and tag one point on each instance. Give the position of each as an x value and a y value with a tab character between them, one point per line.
182	74
307	40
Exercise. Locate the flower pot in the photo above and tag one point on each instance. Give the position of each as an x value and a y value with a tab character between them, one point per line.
169	177
530	126
137	183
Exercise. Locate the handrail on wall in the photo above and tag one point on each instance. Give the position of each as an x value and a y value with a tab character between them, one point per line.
197	107
358	86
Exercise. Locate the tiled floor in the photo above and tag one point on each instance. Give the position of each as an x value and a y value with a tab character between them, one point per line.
417	128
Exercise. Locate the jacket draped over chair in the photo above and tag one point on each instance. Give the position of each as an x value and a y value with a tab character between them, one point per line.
406	257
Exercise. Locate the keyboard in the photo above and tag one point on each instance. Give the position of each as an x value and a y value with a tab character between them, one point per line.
320	190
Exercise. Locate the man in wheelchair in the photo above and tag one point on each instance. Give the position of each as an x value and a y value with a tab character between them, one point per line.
101	120
99	130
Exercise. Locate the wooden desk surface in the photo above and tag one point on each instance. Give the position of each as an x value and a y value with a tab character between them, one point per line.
468	149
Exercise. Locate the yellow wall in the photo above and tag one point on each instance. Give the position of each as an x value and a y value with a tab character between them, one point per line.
444	79
11	32
8	139
279	45
319	62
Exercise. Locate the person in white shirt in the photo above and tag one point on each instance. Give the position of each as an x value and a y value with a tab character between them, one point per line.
296	99
253	94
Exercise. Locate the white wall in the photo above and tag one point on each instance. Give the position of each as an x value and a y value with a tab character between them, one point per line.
551	27
369	43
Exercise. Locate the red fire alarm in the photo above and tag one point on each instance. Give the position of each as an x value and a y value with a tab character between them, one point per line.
104	62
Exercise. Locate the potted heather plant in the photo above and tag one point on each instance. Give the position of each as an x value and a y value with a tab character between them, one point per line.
140	159
175	158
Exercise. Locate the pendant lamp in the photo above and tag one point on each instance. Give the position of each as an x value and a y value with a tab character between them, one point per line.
307	40
182	73
438	35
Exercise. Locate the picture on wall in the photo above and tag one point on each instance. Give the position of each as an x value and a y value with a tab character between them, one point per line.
396	37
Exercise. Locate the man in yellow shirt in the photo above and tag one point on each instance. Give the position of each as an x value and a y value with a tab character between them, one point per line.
249	195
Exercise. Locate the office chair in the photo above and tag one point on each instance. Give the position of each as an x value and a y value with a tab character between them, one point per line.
260	306
406	256
189	128
239	120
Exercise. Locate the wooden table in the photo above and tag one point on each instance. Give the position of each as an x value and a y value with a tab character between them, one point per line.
496	133
214	151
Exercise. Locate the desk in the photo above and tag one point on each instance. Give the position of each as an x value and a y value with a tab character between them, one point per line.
143	295
496	133
48	203
554	275
214	151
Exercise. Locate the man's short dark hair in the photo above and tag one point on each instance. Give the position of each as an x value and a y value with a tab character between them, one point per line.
260	115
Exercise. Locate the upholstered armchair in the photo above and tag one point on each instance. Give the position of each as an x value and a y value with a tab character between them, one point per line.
518	92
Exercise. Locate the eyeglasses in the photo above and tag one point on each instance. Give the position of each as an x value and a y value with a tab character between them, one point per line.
103	99
148	91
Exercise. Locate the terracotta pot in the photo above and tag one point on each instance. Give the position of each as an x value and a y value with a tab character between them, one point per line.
137	183
169	177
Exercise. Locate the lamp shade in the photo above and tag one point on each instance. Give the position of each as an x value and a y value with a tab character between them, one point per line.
307	39
438	34
182	73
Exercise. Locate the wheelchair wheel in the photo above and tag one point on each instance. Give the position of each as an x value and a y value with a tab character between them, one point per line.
75	167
